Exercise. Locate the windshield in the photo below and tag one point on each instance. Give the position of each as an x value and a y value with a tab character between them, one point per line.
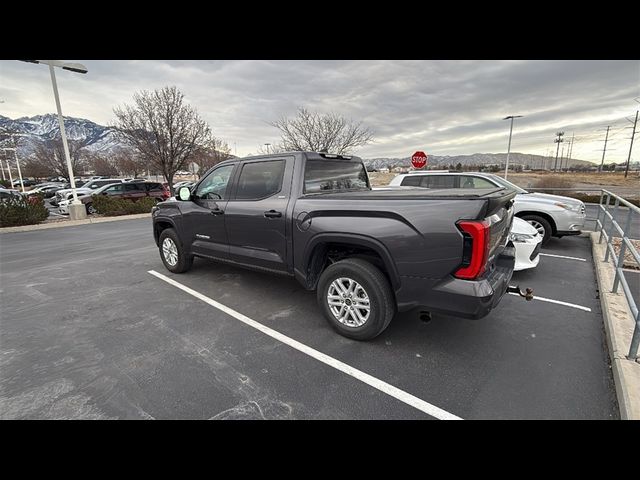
508	184
334	175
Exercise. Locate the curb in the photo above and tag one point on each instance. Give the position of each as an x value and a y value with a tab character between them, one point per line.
619	324
73	223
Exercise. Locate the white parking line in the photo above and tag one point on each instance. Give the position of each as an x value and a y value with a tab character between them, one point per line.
384	387
550	300
563	256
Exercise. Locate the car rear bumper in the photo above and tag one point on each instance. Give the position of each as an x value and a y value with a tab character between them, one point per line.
461	298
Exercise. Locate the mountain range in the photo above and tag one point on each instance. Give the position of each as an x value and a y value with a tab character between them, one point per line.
103	139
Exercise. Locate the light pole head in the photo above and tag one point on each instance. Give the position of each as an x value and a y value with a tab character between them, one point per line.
73	67
513	116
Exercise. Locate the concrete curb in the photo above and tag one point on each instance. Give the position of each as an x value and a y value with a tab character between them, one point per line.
619	324
73	223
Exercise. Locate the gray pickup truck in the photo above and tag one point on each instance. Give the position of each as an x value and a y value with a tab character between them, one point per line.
368	253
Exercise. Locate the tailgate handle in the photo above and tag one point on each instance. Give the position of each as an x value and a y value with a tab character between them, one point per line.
272	214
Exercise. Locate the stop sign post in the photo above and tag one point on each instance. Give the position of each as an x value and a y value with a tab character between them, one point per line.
419	160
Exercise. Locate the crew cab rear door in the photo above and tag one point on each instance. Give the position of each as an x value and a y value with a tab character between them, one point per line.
256	214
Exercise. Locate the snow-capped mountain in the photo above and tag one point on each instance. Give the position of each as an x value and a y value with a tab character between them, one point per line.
97	138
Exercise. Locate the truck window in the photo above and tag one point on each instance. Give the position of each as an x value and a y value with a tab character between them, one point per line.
260	180
330	175
214	186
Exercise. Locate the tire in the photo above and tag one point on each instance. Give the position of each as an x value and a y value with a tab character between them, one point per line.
91	209
540	223
182	262
382	305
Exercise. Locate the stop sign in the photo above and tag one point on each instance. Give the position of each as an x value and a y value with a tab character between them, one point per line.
419	159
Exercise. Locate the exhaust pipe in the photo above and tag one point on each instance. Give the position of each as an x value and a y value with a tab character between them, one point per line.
528	294
424	316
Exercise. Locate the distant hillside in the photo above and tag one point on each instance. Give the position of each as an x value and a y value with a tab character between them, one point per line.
524	159
41	128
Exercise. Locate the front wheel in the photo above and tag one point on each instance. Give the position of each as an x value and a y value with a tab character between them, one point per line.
172	252
541	224
91	209
356	298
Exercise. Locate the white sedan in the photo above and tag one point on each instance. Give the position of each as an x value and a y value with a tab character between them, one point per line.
527	241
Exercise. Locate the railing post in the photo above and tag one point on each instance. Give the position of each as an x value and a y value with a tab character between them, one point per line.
623	247
604	217
599	210
614	217
635	340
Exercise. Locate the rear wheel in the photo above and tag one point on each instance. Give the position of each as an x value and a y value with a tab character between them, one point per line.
541	224
172	252
356	298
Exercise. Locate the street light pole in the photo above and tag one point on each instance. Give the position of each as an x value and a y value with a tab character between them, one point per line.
506	168
267	145
63	134
76	208
15	153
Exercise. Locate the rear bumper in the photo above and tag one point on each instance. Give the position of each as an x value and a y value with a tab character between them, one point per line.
461	298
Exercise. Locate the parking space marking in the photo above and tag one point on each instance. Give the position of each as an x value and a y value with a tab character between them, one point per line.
374	382
563	256
550	300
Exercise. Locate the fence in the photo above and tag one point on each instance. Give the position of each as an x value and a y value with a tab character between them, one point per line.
607	211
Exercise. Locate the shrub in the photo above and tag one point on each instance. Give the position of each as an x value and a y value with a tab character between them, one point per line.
5	183
18	210
113	206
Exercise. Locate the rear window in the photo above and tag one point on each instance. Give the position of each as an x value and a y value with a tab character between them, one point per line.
334	175
152	187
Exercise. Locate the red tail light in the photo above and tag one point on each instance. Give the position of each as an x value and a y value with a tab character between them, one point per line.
475	249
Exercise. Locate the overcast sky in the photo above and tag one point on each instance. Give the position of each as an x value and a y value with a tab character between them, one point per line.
441	107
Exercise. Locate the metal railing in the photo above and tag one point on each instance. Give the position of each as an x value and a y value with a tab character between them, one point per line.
605	212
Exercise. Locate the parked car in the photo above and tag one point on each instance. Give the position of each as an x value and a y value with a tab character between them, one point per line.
7	193
25	181
131	191
184	183
314	217
527	242
551	215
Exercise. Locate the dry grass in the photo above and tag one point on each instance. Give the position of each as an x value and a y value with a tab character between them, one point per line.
629	260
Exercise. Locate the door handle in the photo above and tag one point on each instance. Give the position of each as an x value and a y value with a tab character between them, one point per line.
272	214
217	211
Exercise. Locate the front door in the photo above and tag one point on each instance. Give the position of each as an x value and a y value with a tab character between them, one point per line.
256	214
205	220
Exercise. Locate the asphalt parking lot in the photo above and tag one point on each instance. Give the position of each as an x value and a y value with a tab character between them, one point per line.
88	332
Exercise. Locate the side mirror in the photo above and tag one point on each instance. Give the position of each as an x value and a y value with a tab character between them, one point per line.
184	194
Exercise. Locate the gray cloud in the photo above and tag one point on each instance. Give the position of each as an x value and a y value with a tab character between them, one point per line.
442	107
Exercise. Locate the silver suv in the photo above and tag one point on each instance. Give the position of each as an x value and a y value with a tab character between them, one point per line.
551	215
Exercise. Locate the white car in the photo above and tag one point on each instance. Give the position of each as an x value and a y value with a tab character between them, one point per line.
527	241
551	215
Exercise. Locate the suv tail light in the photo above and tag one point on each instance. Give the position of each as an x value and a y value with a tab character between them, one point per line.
475	251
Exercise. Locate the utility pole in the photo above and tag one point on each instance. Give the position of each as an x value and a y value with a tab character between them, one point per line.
604	150
558	140
561	157
506	168
626	170
569	153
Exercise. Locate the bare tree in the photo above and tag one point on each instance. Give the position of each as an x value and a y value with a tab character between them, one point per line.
206	158
317	132
50	155
163	129
129	162
102	165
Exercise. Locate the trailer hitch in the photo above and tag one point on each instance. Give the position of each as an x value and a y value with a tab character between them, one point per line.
528	294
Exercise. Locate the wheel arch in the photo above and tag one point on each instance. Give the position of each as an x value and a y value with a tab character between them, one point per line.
317	250
544	215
